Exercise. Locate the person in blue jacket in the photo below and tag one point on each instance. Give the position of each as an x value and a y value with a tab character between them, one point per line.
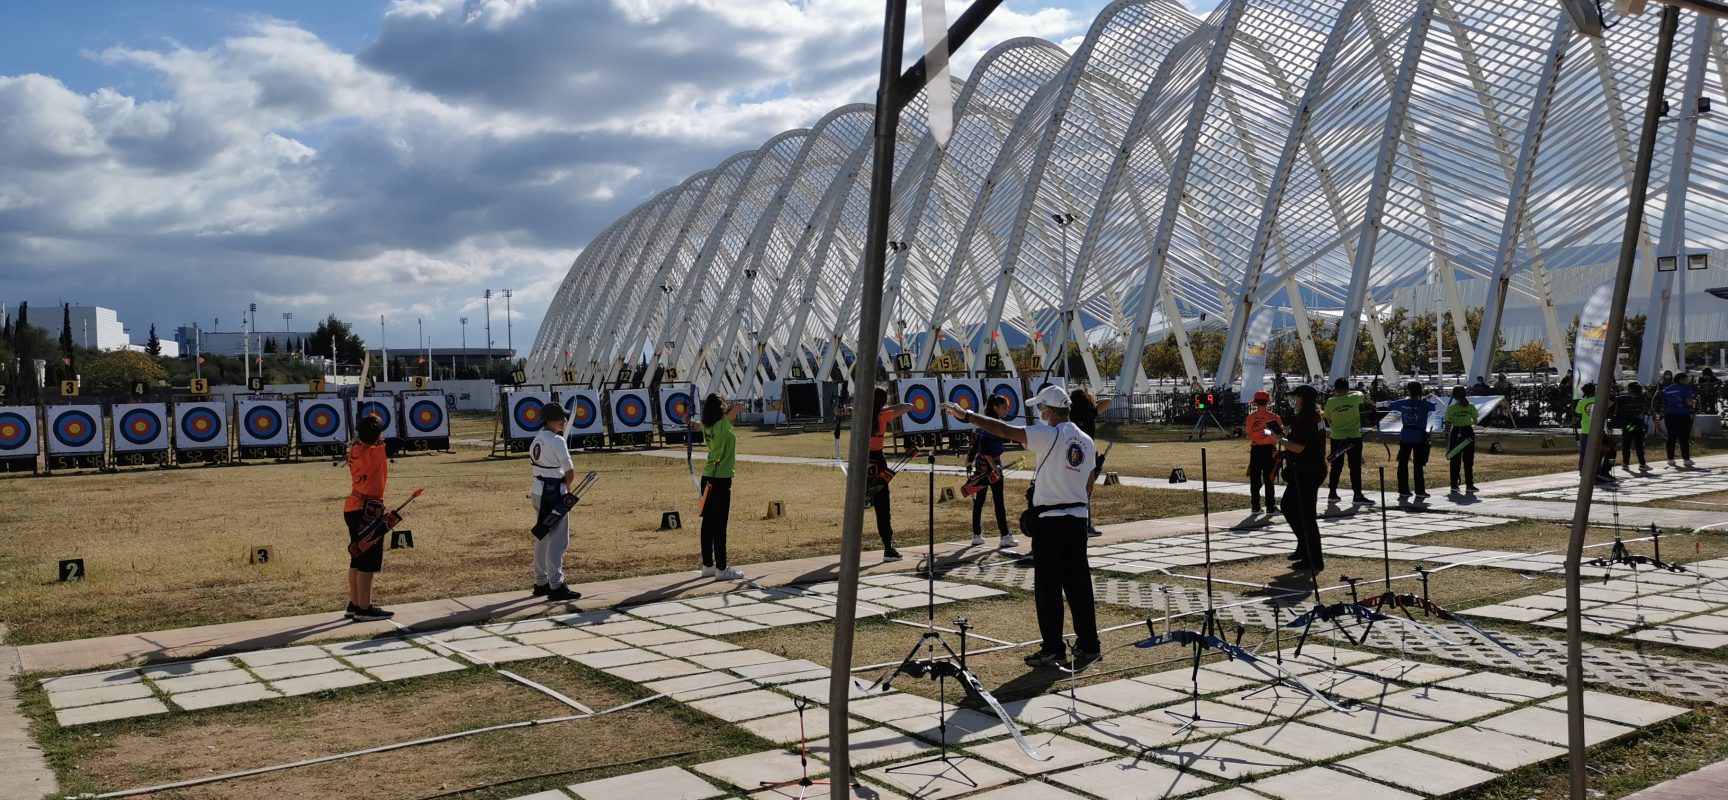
1413	411
1678	405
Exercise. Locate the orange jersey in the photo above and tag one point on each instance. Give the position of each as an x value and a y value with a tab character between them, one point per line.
1259	420
369	470
877	439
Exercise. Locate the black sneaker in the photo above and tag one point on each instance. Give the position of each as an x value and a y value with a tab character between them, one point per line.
563	594
891	555
1084	659
1334	499
540	589
1043	659
1256	509
370	614
352	610
1362	500
1471	488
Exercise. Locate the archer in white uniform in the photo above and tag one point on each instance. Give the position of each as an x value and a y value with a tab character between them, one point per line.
554	475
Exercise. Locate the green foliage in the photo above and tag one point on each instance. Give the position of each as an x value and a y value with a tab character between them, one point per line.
117	370
349	347
153	345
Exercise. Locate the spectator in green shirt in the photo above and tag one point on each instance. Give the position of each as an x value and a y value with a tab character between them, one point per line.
716	508
1585	407
1460	419
1344	418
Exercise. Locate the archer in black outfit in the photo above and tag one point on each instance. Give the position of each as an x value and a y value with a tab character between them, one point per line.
1305	467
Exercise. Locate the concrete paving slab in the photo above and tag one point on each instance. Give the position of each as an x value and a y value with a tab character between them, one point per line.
296	669
623	626
1415	672
727	627
730	659
874	746
1030	790
960	726
1444	704
415	669
1182	681
860	791
664	636
1061	751
1307	784
693	647
561	633
817	690
1620	710
747	772
1054	711
753	704
655	610
509	653
1373	722
666	783
784	728
98	695
284	655
1501	751
1275	700
225	696
1547	725
321	682
91	680
201	681
693	618
1127	778
790	616
768	669
697	685
963	775
1416	771
893	707
1509	688
608	659
366	646
1305	742
1133	733
185	668
549	794
125	709
1680	637
654	670
1128	695
1221	759
523	626
400	655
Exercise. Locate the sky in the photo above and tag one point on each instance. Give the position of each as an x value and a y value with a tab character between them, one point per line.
177	160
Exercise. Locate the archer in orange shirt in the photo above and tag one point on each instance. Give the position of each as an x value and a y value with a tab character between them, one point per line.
368	472
1263	427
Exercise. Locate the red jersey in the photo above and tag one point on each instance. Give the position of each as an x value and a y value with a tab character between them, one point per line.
1259	420
881	432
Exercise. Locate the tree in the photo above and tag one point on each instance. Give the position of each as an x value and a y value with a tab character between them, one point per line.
1531	356
270	345
153	345
117	370
349	348
69	367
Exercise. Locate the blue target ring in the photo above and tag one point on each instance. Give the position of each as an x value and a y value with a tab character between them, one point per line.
200	425
1010	391
582	412
630	410
320	420
140	426
74	429
528	414
965	396
426	416
262	422
376	409
677	408
15	431
923	404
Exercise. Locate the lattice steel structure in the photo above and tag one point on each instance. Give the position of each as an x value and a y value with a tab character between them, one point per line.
1302	158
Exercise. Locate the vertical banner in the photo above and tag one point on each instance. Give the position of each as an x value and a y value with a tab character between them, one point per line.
1012	389
630	411
965	393
18	441
1592	336
139	428
1254	346
926	413
383	406
522	413
75	430
1032	402
939	93
677	403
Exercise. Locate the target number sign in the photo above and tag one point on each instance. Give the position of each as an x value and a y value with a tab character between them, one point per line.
71	569
418	381
568	375
259	554
315	386
256	384
903	362
68	388
198	386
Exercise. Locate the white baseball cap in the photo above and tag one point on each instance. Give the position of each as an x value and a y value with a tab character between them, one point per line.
1052	396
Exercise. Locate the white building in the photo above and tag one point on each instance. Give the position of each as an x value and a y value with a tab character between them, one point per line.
93	327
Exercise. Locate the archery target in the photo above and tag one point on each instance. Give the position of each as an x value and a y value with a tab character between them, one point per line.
926	413
140	427
630	411
677	403
1031	401
523	413
425	415
1012	389
75	430
382	406
18	432
263	423
322	420
964	393
200	426
582	406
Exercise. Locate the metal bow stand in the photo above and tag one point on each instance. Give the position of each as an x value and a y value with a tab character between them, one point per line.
1209	628
803	781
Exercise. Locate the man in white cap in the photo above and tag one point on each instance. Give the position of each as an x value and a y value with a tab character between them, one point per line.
1057	523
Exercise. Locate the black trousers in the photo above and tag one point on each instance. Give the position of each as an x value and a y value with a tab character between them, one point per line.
1262	461
1060	572
879	501
1679	432
1466	458
716	512
1632	437
1354	456
995	491
1412	454
1301	495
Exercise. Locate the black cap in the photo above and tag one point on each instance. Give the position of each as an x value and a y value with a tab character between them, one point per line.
1306	392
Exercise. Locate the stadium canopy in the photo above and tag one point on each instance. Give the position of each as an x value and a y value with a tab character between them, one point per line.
1273	163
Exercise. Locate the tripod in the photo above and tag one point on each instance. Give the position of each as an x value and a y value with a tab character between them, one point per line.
1209	622
1199	429
802	781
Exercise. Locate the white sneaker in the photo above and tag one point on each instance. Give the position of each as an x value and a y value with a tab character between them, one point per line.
1690	465
977	541
709	572
730	575
1007	543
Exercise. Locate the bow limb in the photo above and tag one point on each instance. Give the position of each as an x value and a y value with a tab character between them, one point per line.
690	446
841	462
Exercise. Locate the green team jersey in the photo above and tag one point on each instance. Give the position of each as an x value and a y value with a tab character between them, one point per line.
1585	406
722	443
1344	414
1461	415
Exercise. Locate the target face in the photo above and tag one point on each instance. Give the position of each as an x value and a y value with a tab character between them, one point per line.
583	410
139	426
965	396
525	413
74	429
263	423
528	414
630	411
320	421
923	404
200	425
925	398
1010	390
17	432
380	409
676	404
426	416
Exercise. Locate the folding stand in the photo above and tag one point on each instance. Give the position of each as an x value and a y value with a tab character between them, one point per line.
803	781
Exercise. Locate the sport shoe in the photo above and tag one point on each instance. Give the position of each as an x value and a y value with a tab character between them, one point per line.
1043	659
1093	532
709	572
349	614
891	555
540	589
1361	500
1672	465
1690	465
730	575
1084	659
1255	509
1470	488
562	594
370	614
1007	543
977	540
1334	499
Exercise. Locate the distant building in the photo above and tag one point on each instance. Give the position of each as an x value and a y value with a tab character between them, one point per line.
93	327
196	340
169	349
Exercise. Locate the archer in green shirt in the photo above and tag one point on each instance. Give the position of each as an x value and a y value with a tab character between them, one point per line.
1343	412
715	507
